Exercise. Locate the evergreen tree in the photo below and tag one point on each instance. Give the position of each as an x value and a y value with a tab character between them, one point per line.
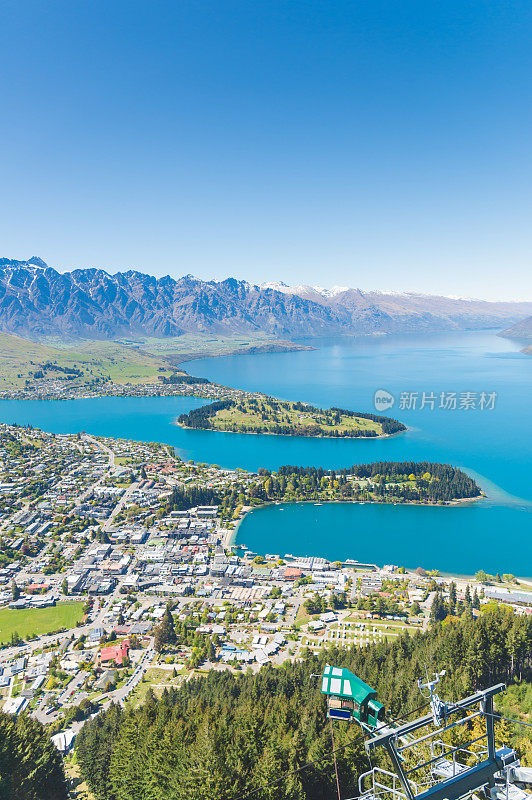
94	748
126	766
452	597
438	611
380	607
31	767
165	631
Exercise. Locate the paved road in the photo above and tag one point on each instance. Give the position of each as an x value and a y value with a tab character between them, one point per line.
71	687
291	613
103	447
120	695
108	524
110	454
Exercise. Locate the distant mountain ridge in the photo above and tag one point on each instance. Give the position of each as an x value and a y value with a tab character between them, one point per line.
521	330
37	301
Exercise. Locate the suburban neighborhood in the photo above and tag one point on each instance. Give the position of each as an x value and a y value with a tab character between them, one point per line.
108	591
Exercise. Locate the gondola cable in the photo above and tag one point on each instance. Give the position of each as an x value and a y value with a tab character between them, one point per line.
334	758
508	719
335	750
288	773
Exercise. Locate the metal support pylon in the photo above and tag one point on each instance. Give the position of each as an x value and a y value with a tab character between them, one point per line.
468	780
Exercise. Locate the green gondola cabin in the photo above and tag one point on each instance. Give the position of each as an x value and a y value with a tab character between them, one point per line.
348	697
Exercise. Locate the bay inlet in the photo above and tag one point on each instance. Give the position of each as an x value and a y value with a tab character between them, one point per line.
493	445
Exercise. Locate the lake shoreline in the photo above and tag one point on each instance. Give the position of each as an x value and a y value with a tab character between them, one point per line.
490	446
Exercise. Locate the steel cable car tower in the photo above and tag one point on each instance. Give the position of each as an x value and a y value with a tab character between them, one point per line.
496	774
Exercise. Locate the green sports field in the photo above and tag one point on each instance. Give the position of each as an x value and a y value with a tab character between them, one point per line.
28	621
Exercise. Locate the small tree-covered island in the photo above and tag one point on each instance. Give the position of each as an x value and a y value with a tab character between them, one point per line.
380	482
268	415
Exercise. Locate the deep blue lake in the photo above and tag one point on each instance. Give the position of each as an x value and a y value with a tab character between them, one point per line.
493	444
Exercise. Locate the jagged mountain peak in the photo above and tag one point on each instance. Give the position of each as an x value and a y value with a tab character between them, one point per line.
37	262
33	262
277	286
36	300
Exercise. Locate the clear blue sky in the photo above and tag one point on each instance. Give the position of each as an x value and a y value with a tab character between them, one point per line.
374	144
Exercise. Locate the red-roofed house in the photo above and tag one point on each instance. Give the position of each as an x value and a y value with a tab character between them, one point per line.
116	653
292	574
36	587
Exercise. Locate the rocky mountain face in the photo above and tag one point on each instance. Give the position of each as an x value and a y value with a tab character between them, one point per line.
37	300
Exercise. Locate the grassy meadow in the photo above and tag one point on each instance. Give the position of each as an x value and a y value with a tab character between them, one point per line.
275	416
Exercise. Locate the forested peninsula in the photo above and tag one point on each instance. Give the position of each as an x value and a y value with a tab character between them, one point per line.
268	415
382	482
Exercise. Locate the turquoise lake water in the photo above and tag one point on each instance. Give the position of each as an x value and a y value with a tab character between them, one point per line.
493	445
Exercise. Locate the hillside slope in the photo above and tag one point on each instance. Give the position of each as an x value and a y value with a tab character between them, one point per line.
88	363
521	330
265	735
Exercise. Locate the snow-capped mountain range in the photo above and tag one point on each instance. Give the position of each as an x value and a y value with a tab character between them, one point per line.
302	290
38	301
